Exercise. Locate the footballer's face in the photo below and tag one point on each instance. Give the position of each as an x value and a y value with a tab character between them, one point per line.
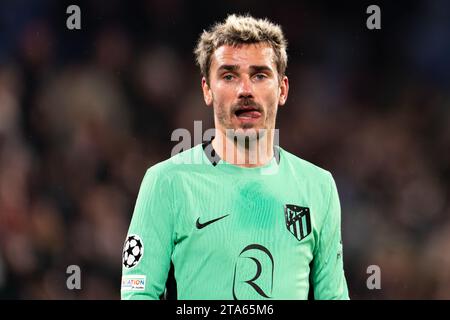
244	88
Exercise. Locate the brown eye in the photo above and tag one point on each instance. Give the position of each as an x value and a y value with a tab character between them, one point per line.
260	76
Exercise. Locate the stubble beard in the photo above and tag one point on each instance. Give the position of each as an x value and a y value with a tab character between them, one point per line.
246	134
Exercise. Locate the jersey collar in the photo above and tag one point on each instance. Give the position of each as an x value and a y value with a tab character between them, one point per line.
214	158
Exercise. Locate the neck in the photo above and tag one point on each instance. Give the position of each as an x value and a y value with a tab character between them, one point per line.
243	152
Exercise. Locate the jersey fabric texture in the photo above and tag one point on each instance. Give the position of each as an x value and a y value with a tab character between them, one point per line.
270	232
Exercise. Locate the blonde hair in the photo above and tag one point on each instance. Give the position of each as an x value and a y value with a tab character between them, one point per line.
238	30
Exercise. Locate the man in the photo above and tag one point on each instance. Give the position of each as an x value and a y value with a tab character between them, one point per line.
234	219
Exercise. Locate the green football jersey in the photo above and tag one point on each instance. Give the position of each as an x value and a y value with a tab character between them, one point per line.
269	232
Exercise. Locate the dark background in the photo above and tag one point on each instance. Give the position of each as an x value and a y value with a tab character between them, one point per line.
83	113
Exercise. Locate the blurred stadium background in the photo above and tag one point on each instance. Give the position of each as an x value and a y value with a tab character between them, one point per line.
84	113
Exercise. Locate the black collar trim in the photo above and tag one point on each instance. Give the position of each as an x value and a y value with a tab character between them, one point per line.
214	158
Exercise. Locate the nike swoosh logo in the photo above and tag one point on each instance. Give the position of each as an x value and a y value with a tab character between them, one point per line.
202	225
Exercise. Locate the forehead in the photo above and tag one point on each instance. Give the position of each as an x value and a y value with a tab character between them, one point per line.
243	55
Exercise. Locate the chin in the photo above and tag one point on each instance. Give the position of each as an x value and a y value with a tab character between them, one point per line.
251	132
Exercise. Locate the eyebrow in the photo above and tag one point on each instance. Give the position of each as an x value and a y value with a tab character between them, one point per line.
233	67
262	68
228	67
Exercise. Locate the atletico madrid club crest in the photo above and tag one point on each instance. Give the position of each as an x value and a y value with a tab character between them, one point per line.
298	220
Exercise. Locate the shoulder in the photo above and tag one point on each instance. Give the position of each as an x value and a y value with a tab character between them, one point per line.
317	182
178	163
305	169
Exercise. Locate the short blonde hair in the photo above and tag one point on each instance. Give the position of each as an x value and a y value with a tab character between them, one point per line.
238	30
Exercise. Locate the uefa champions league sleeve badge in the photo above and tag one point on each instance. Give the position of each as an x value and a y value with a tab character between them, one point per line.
133	250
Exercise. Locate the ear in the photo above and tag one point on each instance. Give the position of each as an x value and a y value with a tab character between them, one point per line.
207	94
284	90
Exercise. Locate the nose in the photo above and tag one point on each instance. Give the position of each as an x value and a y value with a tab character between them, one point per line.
245	89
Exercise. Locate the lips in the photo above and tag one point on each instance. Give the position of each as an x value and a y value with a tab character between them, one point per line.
247	112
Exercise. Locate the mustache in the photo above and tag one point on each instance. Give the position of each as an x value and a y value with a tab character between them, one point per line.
246	103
